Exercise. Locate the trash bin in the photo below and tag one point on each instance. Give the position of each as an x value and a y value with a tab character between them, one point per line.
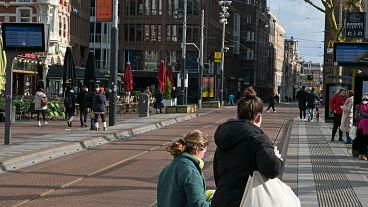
143	105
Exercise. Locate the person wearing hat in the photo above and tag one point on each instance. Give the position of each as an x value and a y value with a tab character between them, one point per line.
99	102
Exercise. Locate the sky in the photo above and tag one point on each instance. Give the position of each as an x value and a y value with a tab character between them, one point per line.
304	23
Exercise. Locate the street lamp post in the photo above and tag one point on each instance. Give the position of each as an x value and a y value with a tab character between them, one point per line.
223	20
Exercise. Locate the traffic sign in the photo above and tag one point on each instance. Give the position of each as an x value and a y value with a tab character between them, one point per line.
217	55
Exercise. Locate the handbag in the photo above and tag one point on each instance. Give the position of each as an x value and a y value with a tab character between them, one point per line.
352	133
263	192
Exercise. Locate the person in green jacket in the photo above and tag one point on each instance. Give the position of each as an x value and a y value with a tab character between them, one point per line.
181	183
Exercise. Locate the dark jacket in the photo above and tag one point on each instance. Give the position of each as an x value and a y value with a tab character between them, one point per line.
81	99
302	98
159	101
182	184
312	99
242	147
174	94
73	98
99	101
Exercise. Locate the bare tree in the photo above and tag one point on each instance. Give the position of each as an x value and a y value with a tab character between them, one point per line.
329	10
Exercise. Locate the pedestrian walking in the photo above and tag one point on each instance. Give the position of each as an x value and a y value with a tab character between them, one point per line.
302	102
347	115
174	96
89	105
312	100
41	105
271	103
242	147
181	183
83	110
361	121
336	102
99	102
158	105
231	100
69	104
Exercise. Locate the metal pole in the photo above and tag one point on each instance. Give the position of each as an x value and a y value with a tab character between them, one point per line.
201	61
114	63
8	96
184	50
222	62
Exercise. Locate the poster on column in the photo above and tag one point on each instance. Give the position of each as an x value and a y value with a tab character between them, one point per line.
104	10
208	87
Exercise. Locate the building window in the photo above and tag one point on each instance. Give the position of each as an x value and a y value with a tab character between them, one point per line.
140	7
138	33
154	7
24	14
159	33
132	32
171	33
147	34
248	19
153	33
236	33
133	7
147	7
250	54
150	60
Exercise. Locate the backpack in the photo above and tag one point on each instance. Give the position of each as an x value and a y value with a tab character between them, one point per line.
44	101
68	102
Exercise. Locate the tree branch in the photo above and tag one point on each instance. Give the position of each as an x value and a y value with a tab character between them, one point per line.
315	6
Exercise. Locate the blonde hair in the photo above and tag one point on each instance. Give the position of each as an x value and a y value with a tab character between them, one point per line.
190	143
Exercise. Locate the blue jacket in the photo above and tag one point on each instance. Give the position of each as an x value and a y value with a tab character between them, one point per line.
99	101
182	184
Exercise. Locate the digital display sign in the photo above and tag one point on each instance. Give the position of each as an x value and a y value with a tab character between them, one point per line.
351	53
29	37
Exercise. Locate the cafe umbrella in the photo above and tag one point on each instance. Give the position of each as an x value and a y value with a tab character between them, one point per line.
128	79
161	76
90	72
169	75
69	78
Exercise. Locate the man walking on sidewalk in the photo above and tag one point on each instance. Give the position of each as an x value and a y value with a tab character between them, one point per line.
81	100
302	97
312	101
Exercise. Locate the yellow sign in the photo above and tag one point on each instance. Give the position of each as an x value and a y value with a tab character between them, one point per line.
217	55
331	43
217	60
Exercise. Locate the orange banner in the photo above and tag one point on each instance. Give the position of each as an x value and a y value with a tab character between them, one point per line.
104	10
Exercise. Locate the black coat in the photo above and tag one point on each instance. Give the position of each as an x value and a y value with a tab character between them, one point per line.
81	99
242	148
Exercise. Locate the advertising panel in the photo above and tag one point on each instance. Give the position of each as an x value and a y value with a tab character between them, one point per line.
104	10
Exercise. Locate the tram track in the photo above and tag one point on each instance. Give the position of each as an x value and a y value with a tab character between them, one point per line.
107	168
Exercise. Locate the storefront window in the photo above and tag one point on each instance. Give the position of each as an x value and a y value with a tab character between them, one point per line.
171	59
150	60
135	57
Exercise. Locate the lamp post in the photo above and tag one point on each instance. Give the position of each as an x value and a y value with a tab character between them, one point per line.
223	20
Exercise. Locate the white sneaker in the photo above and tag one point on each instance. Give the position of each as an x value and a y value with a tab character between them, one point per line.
274	112
45	123
268	111
39	123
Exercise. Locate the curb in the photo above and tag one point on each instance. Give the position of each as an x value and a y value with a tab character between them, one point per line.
48	154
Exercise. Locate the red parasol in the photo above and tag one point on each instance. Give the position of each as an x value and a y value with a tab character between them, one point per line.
161	76
128	78
169	75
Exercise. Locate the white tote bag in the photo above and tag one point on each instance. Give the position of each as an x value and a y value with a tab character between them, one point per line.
263	192
352	133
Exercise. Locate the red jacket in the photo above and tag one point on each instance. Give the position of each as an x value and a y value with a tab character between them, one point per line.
335	104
